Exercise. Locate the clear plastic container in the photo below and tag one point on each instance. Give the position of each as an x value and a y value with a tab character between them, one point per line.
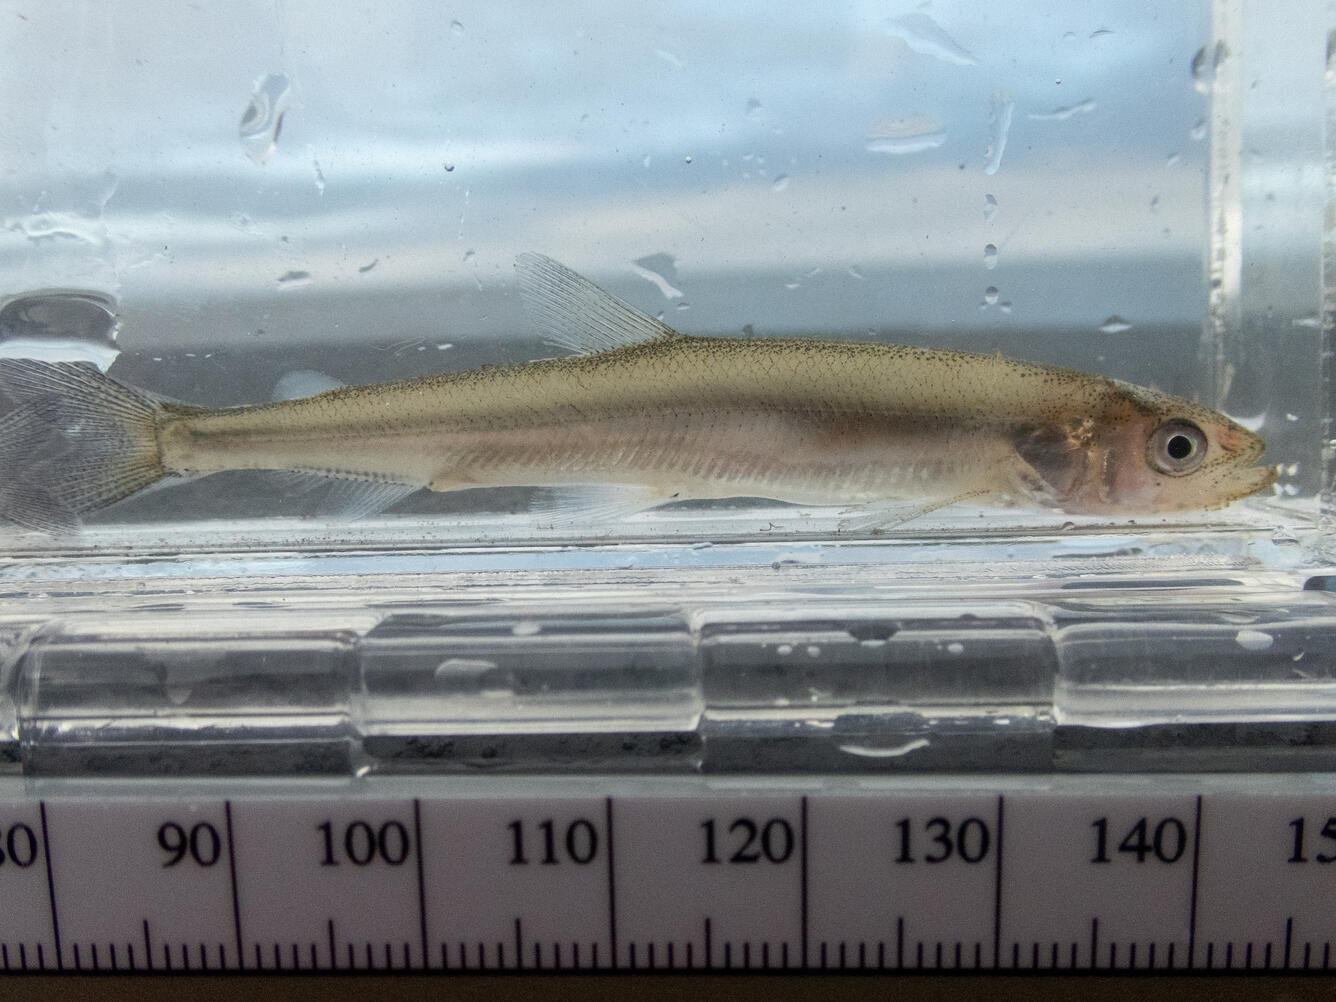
1136	190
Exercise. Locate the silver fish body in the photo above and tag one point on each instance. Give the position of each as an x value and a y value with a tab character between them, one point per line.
664	416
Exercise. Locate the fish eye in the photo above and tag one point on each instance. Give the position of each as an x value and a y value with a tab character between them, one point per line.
1176	447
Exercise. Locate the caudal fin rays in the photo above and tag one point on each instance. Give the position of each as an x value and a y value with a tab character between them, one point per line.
77	442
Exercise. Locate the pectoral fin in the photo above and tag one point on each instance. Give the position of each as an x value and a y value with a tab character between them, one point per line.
888	516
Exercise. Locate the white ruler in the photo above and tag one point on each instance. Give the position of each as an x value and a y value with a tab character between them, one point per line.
1230	873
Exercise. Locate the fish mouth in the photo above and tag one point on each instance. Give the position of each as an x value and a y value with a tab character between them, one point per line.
1246	481
1240	445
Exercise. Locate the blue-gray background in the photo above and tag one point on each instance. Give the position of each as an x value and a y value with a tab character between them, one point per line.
739	167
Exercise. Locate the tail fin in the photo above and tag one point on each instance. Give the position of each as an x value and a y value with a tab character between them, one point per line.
76	442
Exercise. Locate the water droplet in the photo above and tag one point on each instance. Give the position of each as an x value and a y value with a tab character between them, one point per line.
176	694
686	160
1155	203
1198	131
1114	325
989	207
367	267
1100	32
780	183
526	628
990	256
319	176
990	295
901	136
925	36
955	648
1005	306
262	120
64	326
1254	640
784	650
460	669
753	107
1291	417
1284	536
671	58
1310	322
1205	63
294	280
813	651
449	167
661	269
1067	526
1002	111
857	272
884	751
1063	113
301	383
456	28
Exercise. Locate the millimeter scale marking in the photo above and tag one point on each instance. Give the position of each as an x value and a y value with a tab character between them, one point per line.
1037	875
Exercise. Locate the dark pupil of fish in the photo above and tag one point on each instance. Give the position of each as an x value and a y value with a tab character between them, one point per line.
1179	447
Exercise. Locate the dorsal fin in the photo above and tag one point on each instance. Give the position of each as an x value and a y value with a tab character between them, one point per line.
572	312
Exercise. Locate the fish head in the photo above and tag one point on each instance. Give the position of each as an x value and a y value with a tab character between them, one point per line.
1145	452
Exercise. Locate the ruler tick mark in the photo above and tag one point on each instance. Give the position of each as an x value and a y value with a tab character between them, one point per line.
50	887
421	882
232	877
1192	901
997	889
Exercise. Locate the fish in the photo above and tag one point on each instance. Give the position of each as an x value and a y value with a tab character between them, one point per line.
639	415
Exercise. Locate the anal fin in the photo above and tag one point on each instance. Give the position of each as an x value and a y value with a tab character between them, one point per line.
594	504
340	499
